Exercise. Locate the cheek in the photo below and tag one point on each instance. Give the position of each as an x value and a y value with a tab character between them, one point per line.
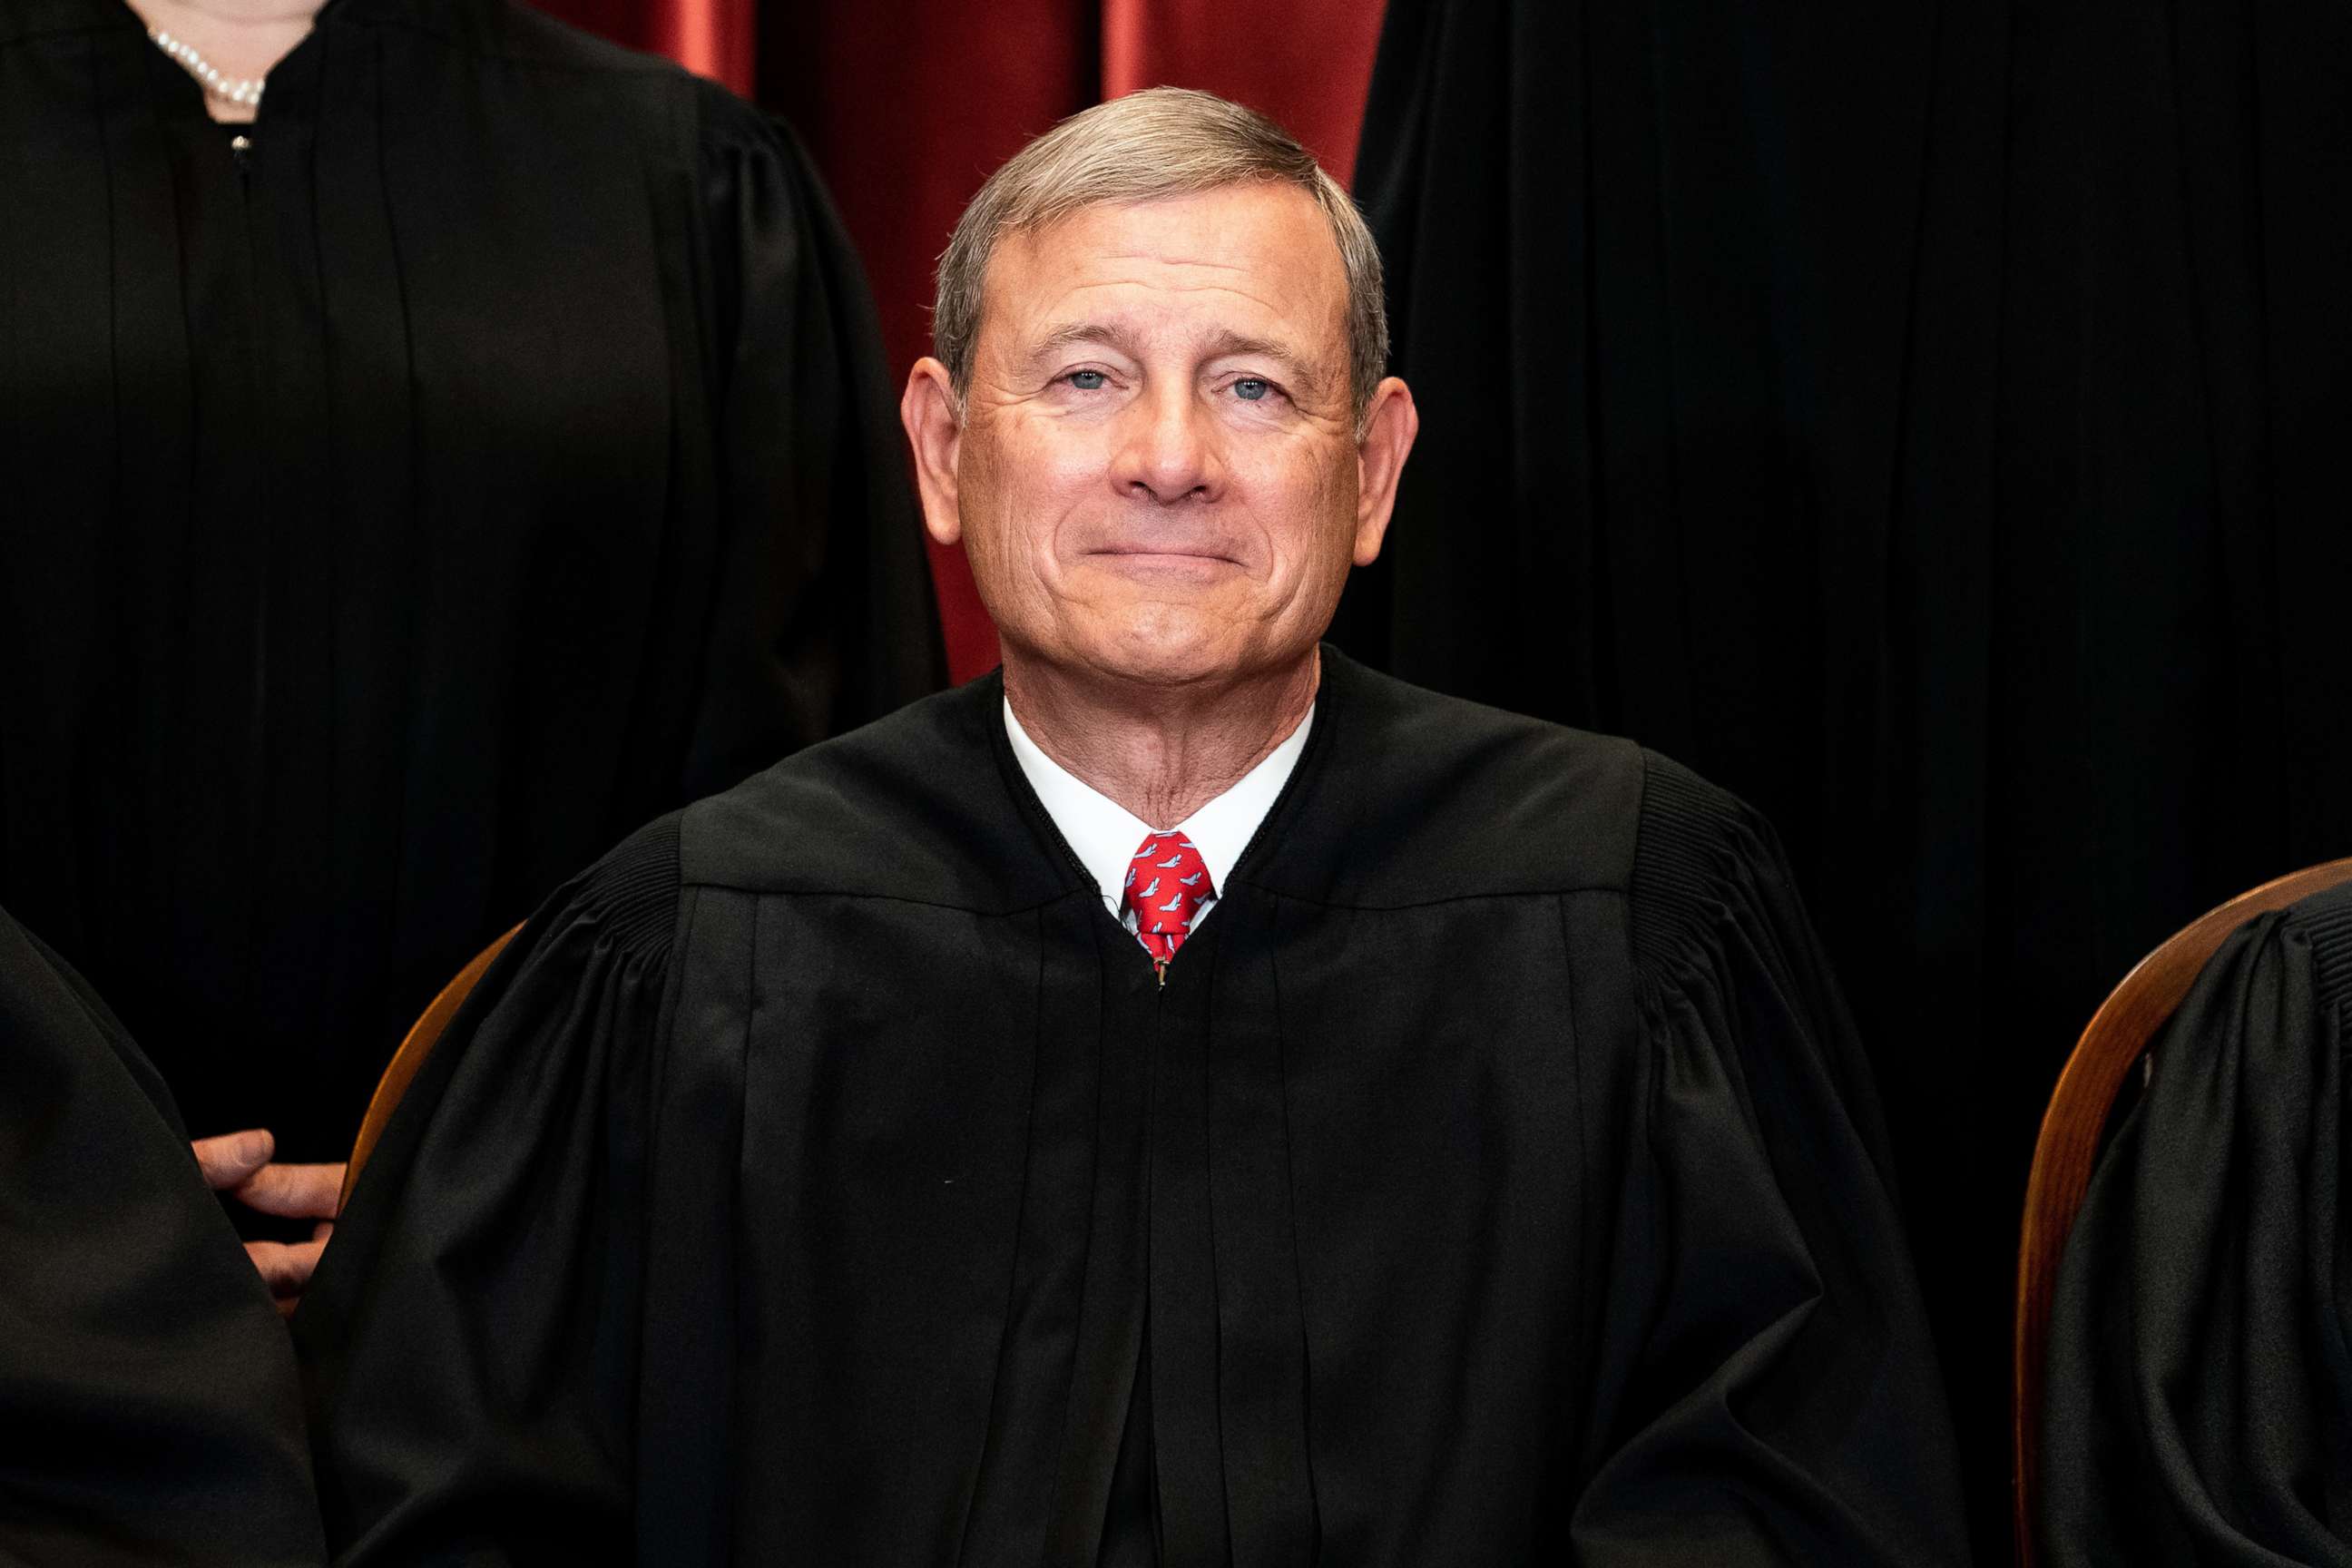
1062	456
989	479
1018	486
1312	526
1056	489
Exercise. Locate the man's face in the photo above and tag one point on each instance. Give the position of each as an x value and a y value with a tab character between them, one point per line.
1158	476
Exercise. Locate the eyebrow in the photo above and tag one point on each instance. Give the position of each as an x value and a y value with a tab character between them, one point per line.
1071	333
1222	345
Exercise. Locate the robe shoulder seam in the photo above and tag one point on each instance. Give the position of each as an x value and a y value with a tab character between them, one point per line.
726	124
2326	920
637	889
1695	849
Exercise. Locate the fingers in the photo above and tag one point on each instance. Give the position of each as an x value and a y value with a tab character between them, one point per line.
285	1268
239	1164
233	1157
296	1192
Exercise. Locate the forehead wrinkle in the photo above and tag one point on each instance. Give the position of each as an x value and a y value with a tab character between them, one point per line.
1159	259
1169	286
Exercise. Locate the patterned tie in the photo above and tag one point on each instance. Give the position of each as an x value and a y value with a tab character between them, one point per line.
1167	883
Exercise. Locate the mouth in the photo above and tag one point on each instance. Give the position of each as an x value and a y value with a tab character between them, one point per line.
1160	565
1158	556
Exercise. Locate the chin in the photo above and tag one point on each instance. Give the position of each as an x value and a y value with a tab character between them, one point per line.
1145	668
1167	650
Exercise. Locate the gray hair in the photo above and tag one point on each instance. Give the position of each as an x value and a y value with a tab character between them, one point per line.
1162	141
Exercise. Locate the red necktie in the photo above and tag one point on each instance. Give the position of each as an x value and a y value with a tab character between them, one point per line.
1167	883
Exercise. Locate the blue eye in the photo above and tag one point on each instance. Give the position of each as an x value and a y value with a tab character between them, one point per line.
1089	380
1250	389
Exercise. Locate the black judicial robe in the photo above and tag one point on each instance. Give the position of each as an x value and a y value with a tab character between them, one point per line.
1919	416
149	1409
824	1178
496	455
2199	1378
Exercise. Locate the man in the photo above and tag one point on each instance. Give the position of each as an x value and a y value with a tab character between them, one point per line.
1187	1100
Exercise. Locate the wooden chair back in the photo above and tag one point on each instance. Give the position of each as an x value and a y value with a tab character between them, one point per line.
414	1048
2117	1037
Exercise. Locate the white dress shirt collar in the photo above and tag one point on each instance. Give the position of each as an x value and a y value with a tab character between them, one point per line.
1104	834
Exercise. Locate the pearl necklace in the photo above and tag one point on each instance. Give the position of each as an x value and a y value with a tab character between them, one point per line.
196	65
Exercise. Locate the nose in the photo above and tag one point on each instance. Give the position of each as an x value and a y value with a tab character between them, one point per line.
1169	449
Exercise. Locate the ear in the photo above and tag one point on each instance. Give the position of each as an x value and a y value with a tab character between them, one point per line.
1390	426
927	410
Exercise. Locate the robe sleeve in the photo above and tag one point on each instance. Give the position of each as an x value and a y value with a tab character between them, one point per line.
2198	1401
149	1412
826	617
469	1345
1769	1392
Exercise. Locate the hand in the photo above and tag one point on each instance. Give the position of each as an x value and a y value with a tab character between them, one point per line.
239	1163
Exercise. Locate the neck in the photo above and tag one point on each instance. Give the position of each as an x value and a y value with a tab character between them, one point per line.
297	13
242	39
1161	752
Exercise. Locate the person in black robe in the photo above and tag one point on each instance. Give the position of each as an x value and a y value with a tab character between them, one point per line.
2199	1403
1928	421
1445	1144
152	1412
411	489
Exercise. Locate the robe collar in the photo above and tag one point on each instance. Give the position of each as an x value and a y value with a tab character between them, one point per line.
1103	834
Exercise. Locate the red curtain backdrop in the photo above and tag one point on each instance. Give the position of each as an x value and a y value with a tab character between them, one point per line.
907	105
715	37
1308	63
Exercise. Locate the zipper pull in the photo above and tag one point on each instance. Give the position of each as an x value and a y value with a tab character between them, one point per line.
1162	965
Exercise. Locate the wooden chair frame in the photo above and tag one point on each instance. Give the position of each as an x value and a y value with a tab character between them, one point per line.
2116	1039
414	1048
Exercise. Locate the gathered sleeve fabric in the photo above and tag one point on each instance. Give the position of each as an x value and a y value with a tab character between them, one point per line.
149	1412
825	617
470	1344
1769	1393
2198	1382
